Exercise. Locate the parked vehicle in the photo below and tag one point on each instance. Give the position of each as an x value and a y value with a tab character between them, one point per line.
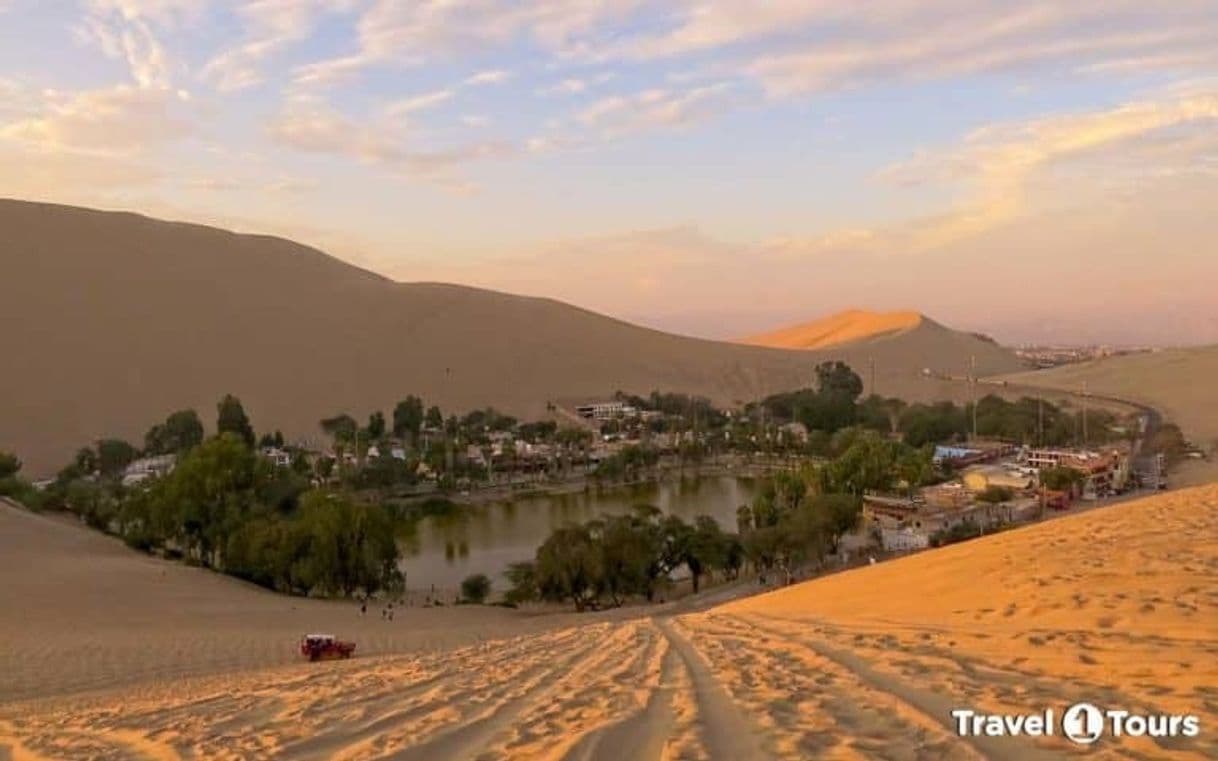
324	647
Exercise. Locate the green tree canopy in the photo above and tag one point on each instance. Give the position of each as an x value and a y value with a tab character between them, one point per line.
434	417
523	580
1060	478
376	426
181	431
231	418
114	455
476	588
10	465
408	418
839	379
341	427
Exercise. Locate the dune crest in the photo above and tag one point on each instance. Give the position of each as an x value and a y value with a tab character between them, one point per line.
842	328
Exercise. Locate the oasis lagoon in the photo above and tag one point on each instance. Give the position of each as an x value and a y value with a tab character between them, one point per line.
487	538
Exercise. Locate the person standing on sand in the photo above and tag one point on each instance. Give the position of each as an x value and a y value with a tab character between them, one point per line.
363	607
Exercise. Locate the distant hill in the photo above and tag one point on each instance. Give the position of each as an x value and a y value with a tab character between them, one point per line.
1181	383
114	320
837	329
896	341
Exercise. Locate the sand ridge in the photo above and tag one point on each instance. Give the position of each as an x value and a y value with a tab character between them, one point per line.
1117	606
841	328
133	318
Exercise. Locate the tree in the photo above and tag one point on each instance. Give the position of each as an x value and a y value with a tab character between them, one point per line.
231	418
408	418
706	548
271	440
85	461
867	465
341	427
523	579
10	465
181	431
568	567
114	455
376	426
434	418
627	554
838	379
1060	478
476	588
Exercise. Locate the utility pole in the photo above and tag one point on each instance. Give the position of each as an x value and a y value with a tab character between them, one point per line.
1040	421
872	389
1085	438
973	386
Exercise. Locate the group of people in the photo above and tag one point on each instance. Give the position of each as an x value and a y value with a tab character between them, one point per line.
386	611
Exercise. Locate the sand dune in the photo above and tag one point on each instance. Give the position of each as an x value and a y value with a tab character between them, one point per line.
1118	606
841	328
1178	382
123	319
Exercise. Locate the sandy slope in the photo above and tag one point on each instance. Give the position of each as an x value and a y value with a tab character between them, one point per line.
79	611
841	328
1178	382
1118	606
121	320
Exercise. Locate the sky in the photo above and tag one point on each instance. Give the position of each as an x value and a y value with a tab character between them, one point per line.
1041	171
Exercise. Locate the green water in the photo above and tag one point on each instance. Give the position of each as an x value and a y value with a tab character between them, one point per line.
443	550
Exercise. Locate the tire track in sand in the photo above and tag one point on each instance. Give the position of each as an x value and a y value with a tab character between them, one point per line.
726	732
933	707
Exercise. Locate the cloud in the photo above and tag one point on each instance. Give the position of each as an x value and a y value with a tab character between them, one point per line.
953	51
133	41
417	103
392	32
490	77
570	86
1000	163
120	120
308	124
658	107
270	27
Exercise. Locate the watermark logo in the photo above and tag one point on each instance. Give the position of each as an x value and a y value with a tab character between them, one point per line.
1081	724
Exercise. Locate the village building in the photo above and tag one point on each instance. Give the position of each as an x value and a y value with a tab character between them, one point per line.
606	410
972	453
145	468
1104	473
903	539
278	457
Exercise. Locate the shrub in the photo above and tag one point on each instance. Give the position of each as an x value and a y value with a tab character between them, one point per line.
475	589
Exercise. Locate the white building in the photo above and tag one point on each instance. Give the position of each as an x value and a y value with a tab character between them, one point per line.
148	467
903	539
279	458
606	410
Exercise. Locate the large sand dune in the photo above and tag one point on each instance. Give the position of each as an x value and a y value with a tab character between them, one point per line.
1181	383
115	320
1118	606
841	328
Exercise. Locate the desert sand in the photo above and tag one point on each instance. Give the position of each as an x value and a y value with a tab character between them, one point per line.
1182	384
834	330
1118	606
126	319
